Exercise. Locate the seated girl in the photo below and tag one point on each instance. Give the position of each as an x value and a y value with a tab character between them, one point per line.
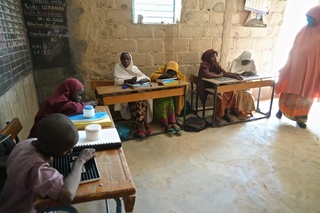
164	108
139	111
210	68
67	99
245	66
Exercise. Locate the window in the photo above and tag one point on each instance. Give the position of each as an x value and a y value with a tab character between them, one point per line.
156	11
258	6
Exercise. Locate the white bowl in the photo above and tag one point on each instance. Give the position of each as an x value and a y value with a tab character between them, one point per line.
93	132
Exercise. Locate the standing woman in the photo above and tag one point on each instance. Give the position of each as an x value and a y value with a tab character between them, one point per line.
67	99
139	111
164	108
299	79
210	68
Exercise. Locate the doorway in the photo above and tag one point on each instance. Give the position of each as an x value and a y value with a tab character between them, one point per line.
294	20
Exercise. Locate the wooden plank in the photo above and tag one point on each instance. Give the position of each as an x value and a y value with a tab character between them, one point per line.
115	90
13	128
245	85
108	100
99	83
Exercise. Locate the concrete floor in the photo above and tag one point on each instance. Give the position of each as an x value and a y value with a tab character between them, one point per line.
269	165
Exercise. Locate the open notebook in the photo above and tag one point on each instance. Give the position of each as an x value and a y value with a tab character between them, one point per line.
90	171
109	139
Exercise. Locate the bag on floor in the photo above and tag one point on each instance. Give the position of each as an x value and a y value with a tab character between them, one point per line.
6	145
195	124
123	130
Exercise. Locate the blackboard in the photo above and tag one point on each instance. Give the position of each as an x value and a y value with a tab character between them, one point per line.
46	23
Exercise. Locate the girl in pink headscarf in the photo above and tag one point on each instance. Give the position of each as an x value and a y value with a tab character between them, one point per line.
66	100
299	79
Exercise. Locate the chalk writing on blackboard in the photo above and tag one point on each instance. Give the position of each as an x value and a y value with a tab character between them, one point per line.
48	35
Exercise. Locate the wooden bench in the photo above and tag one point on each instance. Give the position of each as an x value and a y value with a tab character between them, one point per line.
13	128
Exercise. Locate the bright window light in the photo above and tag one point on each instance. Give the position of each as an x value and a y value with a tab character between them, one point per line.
156	11
294	19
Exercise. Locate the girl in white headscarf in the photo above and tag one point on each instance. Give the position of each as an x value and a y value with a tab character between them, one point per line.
139	111
245	66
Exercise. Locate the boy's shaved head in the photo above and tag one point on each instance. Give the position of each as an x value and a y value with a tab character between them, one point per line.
57	130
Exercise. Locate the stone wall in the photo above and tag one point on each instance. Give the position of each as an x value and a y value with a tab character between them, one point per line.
100	30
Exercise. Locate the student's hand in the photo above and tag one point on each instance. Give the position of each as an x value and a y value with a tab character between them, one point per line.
220	75
85	155
248	73
133	80
130	81
93	103
237	76
164	76
144	80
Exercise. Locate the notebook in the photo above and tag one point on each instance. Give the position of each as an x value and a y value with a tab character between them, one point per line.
168	82
147	84
109	139
90	171
101	118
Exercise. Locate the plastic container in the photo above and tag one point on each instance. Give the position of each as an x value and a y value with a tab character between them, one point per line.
88	111
93	132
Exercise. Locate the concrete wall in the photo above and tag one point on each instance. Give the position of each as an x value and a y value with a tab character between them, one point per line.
100	30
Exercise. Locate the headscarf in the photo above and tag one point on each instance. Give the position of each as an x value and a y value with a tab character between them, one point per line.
171	65
301	74
206	61
207	55
60	102
121	73
237	67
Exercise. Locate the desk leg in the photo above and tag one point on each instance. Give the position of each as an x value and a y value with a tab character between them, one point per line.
271	101
184	107
258	101
129	202
214	112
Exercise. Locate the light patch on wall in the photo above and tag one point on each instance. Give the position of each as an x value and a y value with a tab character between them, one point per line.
294	20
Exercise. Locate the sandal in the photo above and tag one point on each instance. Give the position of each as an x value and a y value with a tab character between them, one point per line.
148	129
279	114
218	122
139	133
169	129
302	125
227	118
176	128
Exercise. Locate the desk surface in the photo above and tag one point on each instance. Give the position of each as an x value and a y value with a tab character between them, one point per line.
226	80
104	90
116	181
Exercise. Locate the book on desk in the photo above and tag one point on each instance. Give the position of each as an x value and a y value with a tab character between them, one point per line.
134	85
109	139
101	118
168	81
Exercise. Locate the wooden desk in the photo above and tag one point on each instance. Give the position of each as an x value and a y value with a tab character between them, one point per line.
115	94
115	182
228	84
